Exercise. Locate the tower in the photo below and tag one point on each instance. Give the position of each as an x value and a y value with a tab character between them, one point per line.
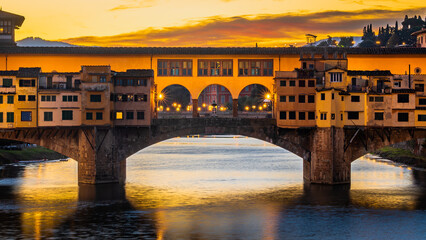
8	23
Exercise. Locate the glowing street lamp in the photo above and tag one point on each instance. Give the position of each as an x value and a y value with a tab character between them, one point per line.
167	109
204	105
174	104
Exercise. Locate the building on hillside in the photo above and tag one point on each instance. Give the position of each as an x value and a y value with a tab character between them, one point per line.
8	23
421	38
133	97
59	99
96	87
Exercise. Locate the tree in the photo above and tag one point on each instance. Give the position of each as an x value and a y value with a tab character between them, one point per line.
346	42
394	40
367	44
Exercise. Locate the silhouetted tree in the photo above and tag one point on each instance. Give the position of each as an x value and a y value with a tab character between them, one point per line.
346	42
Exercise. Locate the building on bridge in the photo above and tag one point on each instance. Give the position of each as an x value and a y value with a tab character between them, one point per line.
347	98
59	99
134	94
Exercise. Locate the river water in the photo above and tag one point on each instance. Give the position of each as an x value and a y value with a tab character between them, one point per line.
226	187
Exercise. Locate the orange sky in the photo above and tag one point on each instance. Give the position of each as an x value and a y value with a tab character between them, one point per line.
202	22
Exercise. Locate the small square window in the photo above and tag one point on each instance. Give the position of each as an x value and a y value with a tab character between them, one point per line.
283	115
283	98
89	116
99	116
292	83
129	115
141	115
292	115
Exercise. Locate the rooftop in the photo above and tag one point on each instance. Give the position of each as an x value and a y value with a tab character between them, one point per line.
204	50
370	73
18	20
136	73
28	72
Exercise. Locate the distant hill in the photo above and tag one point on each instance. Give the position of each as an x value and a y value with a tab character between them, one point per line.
38	42
357	40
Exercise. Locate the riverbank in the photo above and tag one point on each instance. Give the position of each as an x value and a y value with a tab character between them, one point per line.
36	153
403	156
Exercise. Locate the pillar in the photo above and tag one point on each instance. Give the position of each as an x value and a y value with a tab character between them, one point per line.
327	163
195	108
98	161
235	108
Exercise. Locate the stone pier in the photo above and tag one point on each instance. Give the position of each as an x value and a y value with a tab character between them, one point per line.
326	163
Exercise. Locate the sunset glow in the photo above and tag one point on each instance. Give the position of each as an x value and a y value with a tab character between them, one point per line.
202	23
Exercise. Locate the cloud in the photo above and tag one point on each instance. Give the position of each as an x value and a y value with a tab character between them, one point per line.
267	30
131	4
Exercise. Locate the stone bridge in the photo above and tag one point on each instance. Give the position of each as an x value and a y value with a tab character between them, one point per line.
101	152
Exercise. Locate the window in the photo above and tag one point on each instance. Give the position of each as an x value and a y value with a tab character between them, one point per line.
397	84
291	98
335	77
403	98
102	79
422	118
255	67
31	98
332	96
311	98
26	116
292	115
70	98
129	115
343	98
89	116
48	116
311	83
353	115
119	115
99	116
7	82
1	117
283	83
302	83
95	98
10	99
141	98
43	98
214	67
1	99
323	116
378	99
292	83
140	115
402	117
422	101
21	98
378	116
311	115
322	96
302	116
302	98
53	98
10	117
355	99
27	83
283	115
283	98
174	67
419	87
66	115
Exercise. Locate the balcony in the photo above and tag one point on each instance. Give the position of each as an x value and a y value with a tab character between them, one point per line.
356	88
8	89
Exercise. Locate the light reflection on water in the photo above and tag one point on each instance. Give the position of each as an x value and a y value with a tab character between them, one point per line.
214	188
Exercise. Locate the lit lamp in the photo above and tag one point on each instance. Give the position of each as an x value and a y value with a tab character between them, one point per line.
214	108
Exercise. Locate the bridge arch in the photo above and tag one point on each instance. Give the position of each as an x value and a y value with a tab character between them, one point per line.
217	93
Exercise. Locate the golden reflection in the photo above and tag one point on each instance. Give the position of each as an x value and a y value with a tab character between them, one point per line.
47	194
